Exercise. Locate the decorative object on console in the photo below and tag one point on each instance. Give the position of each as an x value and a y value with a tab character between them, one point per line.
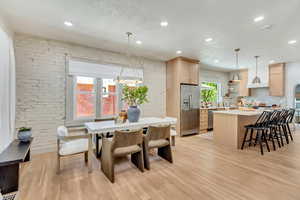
134	96
256	79
24	134
123	116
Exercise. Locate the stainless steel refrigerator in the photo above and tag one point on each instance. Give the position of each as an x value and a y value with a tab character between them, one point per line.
189	109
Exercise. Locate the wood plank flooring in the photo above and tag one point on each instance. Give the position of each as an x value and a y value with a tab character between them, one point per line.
201	170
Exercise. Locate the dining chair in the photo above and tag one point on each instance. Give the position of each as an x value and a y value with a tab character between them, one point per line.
157	137
71	142
123	143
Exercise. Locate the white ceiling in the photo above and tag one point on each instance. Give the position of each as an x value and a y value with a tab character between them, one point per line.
103	23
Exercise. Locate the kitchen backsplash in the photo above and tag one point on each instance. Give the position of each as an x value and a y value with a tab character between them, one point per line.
262	95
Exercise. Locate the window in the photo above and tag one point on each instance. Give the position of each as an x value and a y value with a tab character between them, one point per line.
210	92
93	92
85	97
109	98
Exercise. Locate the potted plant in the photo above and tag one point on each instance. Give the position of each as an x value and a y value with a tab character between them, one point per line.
134	96
24	134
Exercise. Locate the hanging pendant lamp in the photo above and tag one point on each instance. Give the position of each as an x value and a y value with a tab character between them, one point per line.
236	75
256	79
123	76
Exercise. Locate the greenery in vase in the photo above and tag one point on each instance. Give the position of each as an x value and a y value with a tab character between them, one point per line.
135	96
24	129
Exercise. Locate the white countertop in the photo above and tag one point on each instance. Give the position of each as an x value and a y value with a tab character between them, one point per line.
239	112
111	126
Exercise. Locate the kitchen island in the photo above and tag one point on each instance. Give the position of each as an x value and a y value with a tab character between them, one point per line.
229	126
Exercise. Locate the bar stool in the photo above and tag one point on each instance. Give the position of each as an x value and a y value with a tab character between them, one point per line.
260	126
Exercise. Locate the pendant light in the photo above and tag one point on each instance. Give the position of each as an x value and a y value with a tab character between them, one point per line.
236	75
256	79
130	64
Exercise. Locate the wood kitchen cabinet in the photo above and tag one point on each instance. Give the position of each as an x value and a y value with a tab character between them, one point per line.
203	120
179	70
277	79
243	86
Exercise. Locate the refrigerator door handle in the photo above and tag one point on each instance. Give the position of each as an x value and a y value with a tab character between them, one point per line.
190	101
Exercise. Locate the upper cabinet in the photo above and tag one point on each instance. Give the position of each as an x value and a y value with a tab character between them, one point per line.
277	79
243	86
186	70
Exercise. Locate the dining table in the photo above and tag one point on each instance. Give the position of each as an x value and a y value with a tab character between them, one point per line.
104	127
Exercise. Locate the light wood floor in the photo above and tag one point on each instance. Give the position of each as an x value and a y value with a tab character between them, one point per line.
201	170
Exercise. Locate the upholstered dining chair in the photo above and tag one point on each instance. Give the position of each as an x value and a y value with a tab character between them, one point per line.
123	143
157	137
71	142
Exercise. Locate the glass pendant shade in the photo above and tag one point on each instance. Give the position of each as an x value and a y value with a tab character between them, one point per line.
256	79
236	76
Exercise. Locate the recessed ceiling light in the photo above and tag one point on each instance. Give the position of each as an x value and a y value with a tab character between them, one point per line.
267	27
179	52
259	18
208	39
68	23
164	23
216	61
138	42
272	61
292	42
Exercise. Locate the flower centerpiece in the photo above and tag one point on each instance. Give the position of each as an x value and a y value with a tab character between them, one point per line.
134	96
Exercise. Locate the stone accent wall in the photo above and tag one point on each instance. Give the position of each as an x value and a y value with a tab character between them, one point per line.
40	80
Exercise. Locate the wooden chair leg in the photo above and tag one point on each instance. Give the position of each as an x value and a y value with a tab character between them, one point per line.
245	138
146	156
107	167
256	138
138	160
285	134
272	139
265	140
276	136
251	137
173	140
86	157
58	164
166	153
260	142
280	135
289	132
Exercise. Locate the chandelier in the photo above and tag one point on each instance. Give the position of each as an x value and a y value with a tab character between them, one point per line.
132	62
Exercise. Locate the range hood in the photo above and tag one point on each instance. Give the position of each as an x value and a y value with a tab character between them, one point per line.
261	85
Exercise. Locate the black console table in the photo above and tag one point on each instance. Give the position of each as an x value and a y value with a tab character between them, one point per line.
16	153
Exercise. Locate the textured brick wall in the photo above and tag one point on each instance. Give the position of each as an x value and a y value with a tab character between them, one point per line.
40	74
